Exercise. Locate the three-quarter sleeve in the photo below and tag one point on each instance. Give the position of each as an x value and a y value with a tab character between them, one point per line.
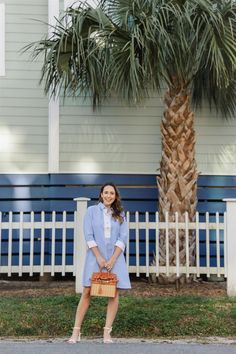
88	229
123	236
91	244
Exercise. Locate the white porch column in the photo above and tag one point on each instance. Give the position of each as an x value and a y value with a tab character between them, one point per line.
53	104
80	246
231	246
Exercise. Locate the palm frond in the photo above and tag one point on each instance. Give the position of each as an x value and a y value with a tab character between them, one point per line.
215	55
75	54
131	46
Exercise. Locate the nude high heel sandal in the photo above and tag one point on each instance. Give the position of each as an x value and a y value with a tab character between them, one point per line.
107	340
76	336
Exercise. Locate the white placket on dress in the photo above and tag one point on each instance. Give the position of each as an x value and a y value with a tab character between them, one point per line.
107	223
107	216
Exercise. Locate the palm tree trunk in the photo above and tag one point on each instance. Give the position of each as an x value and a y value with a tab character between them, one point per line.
178	172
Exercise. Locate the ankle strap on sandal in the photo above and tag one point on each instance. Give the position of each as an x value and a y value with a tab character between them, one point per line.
108	328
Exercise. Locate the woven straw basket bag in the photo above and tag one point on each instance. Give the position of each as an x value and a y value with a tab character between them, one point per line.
103	284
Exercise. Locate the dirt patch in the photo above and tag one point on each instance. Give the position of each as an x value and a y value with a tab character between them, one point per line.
140	288
211	289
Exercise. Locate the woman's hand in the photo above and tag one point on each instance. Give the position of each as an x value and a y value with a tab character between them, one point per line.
110	264
101	261
99	258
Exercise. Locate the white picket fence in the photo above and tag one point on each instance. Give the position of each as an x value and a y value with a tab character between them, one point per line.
33	225
187	227
227	226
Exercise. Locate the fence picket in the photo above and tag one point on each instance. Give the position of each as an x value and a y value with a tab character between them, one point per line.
128	238
137	242
187	243
177	244
64	243
217	244
147	242
53	241
167	243
42	238
207	245
225	250
31	242
21	244
10	244
197	245
75	230
157	244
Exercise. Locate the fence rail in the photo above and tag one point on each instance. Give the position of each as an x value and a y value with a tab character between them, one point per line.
26	237
197	227
50	243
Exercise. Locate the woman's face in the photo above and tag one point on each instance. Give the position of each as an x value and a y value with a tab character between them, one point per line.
108	195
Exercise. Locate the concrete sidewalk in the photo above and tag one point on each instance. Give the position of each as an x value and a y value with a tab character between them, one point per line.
120	346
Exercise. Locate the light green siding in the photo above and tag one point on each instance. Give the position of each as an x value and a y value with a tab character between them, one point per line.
121	139
115	139
216	144
24	108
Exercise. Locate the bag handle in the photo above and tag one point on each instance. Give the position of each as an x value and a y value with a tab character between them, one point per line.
107	271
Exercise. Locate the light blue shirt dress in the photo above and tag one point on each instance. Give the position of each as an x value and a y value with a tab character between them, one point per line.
94	235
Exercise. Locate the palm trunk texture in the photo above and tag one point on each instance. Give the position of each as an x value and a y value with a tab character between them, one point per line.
177	182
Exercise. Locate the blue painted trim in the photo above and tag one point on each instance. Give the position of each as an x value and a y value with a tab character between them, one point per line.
98	179
139	192
48	192
64	192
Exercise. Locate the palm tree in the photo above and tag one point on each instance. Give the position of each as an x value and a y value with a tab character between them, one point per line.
134	47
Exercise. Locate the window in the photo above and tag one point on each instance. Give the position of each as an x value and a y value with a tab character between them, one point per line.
2	39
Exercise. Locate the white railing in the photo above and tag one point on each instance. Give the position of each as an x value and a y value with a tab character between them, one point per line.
31	226
187	227
227	226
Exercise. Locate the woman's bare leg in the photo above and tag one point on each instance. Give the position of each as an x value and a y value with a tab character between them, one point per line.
112	308
82	308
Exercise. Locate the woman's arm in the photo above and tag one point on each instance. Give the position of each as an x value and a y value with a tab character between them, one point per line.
89	238
88	229
110	264
100	260
119	245
123	235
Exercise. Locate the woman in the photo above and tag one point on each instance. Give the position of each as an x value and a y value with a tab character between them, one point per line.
105	231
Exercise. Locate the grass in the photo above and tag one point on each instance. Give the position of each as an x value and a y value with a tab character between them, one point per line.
153	317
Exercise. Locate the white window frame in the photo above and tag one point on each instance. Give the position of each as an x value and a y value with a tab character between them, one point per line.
2	39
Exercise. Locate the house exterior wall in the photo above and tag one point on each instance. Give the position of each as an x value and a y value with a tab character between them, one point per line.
24	108
122	139
114	139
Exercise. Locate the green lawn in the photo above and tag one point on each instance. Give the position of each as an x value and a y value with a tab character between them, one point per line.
137	317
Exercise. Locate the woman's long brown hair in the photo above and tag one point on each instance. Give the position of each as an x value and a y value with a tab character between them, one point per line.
117	209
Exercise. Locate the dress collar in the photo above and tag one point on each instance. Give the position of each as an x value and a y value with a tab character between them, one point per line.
102	207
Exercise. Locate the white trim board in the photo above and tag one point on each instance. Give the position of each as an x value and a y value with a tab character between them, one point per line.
53	104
